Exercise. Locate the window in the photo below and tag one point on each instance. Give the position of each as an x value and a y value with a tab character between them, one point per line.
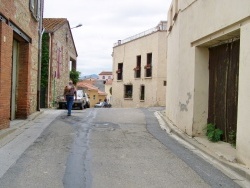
148	66
35	8
119	71
128	91
137	69
142	95
164	83
103	77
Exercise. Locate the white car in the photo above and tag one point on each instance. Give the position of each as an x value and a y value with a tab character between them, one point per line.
99	105
102	105
79	103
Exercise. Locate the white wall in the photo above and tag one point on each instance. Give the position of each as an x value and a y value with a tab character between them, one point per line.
199	25
243	128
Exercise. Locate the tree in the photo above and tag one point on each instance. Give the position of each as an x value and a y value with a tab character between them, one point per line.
74	76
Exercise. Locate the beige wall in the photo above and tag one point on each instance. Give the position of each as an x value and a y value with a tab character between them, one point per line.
126	53
199	25
243	128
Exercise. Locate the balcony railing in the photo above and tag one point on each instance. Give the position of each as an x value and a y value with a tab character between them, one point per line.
162	26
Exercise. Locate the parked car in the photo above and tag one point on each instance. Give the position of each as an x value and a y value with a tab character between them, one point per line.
87	105
79	103
102	104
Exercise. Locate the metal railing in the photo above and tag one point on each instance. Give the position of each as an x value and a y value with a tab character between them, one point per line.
162	26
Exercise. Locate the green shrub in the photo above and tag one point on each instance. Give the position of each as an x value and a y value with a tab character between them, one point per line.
213	134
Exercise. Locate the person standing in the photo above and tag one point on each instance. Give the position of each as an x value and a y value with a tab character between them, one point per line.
69	93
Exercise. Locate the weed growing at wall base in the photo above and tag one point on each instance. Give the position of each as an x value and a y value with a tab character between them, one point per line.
213	134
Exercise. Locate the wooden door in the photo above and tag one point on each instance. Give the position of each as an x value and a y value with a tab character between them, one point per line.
223	86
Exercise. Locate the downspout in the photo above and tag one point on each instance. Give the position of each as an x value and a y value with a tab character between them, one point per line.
49	71
40	34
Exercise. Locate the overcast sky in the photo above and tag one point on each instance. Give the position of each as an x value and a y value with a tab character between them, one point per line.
104	23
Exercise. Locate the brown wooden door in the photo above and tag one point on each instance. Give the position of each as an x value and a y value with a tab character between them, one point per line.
223	86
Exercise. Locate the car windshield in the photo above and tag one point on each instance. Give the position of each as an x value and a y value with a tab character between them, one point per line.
79	93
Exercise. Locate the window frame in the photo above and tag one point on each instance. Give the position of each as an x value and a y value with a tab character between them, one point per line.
148	66
128	91
142	93
137	69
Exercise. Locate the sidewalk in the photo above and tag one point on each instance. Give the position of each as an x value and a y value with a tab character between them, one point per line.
220	154
17	127
21	134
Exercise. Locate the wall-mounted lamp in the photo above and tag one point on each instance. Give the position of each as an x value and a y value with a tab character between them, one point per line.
79	25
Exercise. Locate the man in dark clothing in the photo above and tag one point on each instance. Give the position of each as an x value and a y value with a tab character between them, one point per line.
69	93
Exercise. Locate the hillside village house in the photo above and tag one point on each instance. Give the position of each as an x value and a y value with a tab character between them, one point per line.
139	69
20	32
95	95
106	75
208	69
58	44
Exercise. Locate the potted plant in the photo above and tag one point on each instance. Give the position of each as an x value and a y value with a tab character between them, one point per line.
136	68
148	66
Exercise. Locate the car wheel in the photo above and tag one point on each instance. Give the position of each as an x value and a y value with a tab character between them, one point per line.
60	106
81	106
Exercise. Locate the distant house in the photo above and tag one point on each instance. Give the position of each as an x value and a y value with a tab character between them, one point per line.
20	32
139	68
59	44
95	95
106	75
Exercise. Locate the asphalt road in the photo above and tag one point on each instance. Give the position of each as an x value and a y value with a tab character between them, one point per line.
106	148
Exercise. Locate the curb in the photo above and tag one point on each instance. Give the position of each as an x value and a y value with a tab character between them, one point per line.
239	173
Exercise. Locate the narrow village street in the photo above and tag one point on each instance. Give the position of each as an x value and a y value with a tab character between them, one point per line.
102	148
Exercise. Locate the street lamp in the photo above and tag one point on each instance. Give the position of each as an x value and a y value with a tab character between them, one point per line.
79	25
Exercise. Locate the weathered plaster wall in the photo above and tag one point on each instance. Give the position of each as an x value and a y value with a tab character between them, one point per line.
199	25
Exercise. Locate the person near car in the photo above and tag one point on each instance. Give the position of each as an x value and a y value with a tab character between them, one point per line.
69	93
105	103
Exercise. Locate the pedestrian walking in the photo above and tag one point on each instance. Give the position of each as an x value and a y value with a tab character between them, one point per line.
69	93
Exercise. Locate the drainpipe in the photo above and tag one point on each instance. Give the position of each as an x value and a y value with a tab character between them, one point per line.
40	34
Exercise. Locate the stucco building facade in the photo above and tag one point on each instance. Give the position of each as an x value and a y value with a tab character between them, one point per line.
139	69
20	31
208	63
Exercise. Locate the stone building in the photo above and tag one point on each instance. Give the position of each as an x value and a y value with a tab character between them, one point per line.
20	31
139	69
208	69
62	55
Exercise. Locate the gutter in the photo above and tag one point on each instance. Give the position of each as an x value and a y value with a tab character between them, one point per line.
40	33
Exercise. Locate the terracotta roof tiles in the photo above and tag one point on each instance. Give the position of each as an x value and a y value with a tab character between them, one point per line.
52	24
106	73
